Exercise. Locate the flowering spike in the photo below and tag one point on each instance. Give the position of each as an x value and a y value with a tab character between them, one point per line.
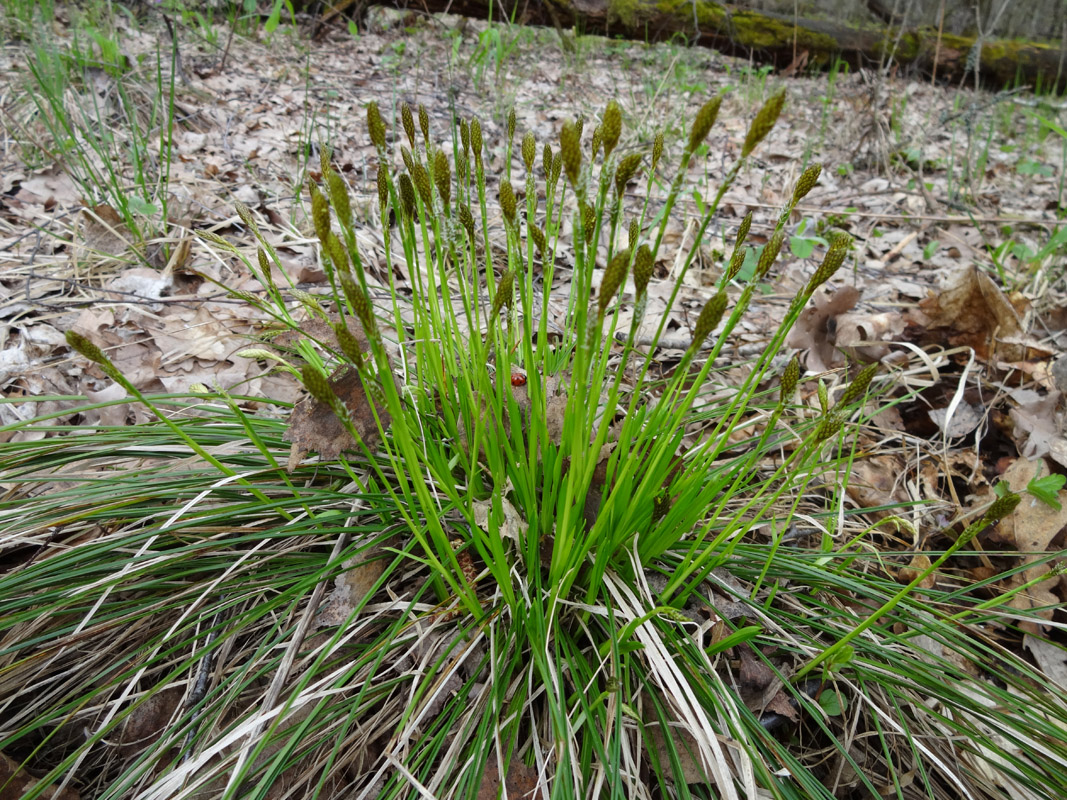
611	128
626	169
702	123
569	139
408	122
613	278
376	126
710	316
764	121
806	182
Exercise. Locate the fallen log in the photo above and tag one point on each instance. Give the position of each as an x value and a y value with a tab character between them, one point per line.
775	38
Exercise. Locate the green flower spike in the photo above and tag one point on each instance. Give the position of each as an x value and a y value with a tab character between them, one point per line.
657	150
424	124
611	128
442	176
642	268
627	167
765	119
790	378
408	121
710	316
769	254
503	293
613	278
508	203
569	143
383	190
320	212
466	219
831	263
702	123
806	182
421	178
858	387
529	151
407	196
376	126
339	199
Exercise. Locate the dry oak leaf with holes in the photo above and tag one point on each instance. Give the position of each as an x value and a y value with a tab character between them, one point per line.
815	331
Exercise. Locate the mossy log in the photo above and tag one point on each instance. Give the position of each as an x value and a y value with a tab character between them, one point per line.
776	39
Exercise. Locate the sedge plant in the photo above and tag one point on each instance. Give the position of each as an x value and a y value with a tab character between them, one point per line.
542	553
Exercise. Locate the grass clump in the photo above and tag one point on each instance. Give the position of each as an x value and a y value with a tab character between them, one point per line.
547	561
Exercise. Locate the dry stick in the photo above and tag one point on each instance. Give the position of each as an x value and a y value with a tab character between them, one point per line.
937	47
226	51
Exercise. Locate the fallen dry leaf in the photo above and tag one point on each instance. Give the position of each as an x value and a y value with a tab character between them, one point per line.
815	331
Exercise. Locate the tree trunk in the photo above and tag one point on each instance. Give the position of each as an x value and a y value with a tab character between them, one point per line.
777	38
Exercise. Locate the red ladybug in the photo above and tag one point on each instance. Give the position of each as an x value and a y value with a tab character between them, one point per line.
518	379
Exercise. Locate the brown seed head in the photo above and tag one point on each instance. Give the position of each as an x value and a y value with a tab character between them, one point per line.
764	121
376	126
408	121
635	231
702	123
710	316
511	126
529	151
627	167
806	182
442	176
408	160
657	150
572	154
611	128
613	278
